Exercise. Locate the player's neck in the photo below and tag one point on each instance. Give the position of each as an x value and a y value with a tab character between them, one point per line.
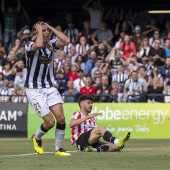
83	112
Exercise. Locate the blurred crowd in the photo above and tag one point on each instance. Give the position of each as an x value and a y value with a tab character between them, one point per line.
118	56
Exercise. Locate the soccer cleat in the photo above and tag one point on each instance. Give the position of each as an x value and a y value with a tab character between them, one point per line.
89	149
37	145
61	152
122	140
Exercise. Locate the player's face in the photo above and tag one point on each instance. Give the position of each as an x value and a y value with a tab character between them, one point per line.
46	33
87	105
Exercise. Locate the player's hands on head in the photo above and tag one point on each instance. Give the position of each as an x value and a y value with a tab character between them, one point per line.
38	26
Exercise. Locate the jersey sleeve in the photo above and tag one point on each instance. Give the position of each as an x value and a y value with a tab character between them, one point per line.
52	43
28	45
75	115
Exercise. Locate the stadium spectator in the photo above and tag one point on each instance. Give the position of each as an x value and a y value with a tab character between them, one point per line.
158	53
165	69
67	63
124	27
88	88
120	77
72	74
149	67
151	28
10	18
61	81
132	62
96	13
167	47
144	49
85	133
116	95
69	94
80	63
96	82
97	74
103	34
102	50
166	31
50	109
79	82
155	86
5	92
61	59
12	58
82	47
156	35
114	58
73	54
20	78
87	32
127	47
133	87
137	37
90	63
72	32
119	39
19	96
103	90
9	74
142	72
21	53
16	45
100	65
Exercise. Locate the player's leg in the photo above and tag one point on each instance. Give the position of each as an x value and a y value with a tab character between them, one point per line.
57	110
98	132
37	98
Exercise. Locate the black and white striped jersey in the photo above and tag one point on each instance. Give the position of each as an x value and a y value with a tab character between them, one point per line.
40	66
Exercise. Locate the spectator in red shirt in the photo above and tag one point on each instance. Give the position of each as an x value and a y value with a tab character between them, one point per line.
72	74
127	47
88	88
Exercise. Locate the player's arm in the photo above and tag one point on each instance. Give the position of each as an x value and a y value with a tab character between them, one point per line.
76	122
63	40
39	37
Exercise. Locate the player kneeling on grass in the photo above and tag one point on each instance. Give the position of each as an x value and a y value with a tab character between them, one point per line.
86	134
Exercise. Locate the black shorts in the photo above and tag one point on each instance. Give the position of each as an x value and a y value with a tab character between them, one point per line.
82	141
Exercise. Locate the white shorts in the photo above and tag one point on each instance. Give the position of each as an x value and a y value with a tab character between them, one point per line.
42	99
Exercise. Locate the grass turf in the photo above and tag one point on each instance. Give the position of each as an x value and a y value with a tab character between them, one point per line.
137	154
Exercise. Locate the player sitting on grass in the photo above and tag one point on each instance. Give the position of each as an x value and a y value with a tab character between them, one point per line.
86	134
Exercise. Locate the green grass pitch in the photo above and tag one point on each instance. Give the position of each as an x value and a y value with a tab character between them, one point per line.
18	154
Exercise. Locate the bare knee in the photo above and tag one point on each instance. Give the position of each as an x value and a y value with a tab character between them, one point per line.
49	124
101	130
60	119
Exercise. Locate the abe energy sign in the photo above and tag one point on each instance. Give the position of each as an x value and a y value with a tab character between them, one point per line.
143	120
13	119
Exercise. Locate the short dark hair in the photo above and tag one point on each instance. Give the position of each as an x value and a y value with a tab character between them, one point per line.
86	97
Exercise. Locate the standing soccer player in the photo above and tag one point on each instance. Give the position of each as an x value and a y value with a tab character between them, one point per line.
44	98
86	134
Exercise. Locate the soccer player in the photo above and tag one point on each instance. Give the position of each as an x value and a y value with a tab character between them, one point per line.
44	98
86	134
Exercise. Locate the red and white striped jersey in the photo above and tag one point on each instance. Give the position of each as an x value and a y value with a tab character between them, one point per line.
83	127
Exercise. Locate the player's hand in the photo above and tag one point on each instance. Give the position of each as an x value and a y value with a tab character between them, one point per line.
38	27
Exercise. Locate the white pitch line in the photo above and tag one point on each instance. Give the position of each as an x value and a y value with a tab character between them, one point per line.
28	154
